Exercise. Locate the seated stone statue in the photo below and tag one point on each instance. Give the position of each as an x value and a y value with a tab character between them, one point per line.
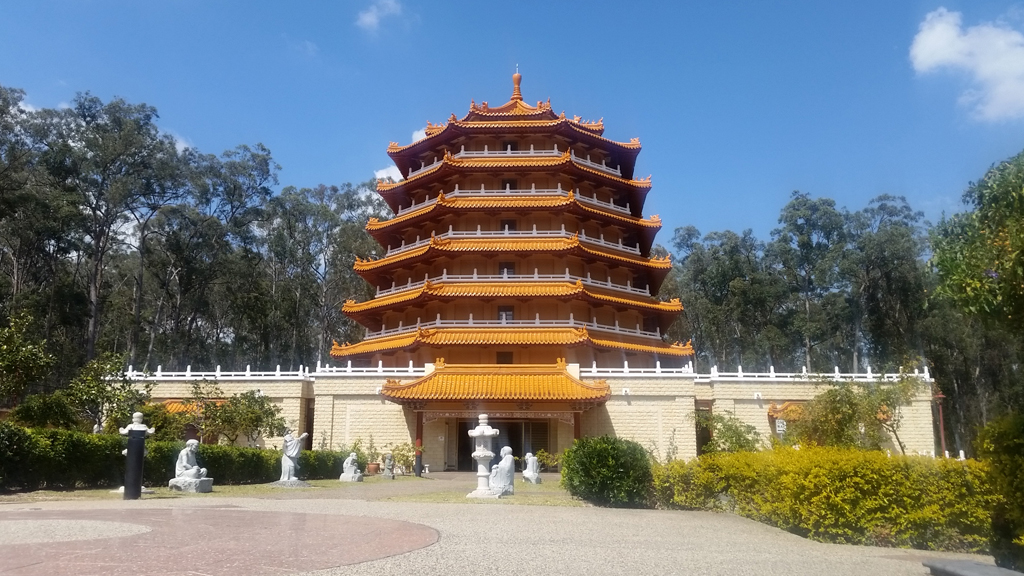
503	475
186	467
531	470
188	476
350	470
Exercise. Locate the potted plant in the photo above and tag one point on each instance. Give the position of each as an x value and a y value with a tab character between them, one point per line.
373	456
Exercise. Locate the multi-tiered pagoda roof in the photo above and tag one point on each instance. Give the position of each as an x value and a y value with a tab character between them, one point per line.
518	237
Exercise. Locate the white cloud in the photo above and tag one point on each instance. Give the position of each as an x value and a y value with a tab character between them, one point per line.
419	134
991	53
310	48
180	142
370	18
63	105
389	172
27	107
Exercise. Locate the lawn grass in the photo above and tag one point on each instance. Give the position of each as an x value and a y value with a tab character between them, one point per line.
548	494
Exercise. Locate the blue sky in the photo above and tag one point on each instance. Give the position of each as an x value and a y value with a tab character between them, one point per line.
736	103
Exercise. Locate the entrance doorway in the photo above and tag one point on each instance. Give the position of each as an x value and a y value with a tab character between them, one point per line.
521	435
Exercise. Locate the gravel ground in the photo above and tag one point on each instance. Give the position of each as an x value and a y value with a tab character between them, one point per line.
501	539
40	531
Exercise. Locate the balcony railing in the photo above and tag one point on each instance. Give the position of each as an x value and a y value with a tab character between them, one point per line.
160	375
506	233
508	152
535	277
483	192
603	166
536	322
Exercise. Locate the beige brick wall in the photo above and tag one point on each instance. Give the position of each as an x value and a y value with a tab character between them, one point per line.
657	412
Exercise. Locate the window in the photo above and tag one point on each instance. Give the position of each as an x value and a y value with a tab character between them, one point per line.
509	225
507	268
510	184
506	313
503	358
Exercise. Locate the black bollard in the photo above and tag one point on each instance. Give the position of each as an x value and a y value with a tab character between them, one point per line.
136	454
418	467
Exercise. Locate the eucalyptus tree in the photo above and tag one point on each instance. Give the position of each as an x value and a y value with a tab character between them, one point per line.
109	156
808	247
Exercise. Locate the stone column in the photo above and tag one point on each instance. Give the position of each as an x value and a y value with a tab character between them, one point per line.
484	435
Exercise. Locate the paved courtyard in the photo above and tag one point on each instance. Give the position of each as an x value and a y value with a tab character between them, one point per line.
406	526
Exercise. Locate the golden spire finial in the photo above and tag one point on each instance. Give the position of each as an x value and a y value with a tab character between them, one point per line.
516	78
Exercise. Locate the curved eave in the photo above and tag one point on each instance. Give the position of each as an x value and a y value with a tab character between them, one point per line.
396	194
498	383
389	231
370	312
440	137
447	337
657	268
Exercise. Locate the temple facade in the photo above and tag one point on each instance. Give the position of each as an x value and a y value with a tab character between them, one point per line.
517	252
517	279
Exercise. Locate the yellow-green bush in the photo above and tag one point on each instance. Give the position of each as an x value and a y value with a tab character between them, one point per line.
1001	445
841	495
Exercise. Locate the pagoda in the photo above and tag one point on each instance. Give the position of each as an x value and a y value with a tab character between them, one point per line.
518	246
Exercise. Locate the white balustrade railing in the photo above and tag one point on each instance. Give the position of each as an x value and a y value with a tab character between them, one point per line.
507	152
594	372
506	233
603	166
424	168
537	322
535	277
160	375
483	192
348	368
836	375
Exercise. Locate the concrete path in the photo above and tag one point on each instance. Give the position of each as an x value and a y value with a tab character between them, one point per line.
351	530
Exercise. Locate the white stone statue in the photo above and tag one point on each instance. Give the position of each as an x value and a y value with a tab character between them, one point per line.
290	455
350	470
135	425
188	476
483	434
503	474
531	470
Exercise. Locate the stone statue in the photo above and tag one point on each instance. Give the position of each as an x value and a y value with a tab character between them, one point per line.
389	466
290	455
503	474
188	475
483	434
531	469
350	470
136	425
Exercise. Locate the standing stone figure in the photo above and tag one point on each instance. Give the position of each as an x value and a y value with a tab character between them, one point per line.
290	455
350	470
136	453
504	473
188	475
389	466
531	470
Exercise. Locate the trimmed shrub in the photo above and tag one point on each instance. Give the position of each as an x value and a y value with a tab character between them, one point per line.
607	471
841	495
66	459
1001	445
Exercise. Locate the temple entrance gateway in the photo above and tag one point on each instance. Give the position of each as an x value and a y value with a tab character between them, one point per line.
521	435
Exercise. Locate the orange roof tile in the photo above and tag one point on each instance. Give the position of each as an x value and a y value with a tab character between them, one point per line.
498	382
511	289
510	244
508	336
565	159
510	202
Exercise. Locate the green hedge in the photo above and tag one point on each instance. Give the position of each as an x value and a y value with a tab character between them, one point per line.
607	471
1001	445
841	495
66	459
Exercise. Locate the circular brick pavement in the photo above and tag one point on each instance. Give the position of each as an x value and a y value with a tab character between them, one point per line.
223	541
